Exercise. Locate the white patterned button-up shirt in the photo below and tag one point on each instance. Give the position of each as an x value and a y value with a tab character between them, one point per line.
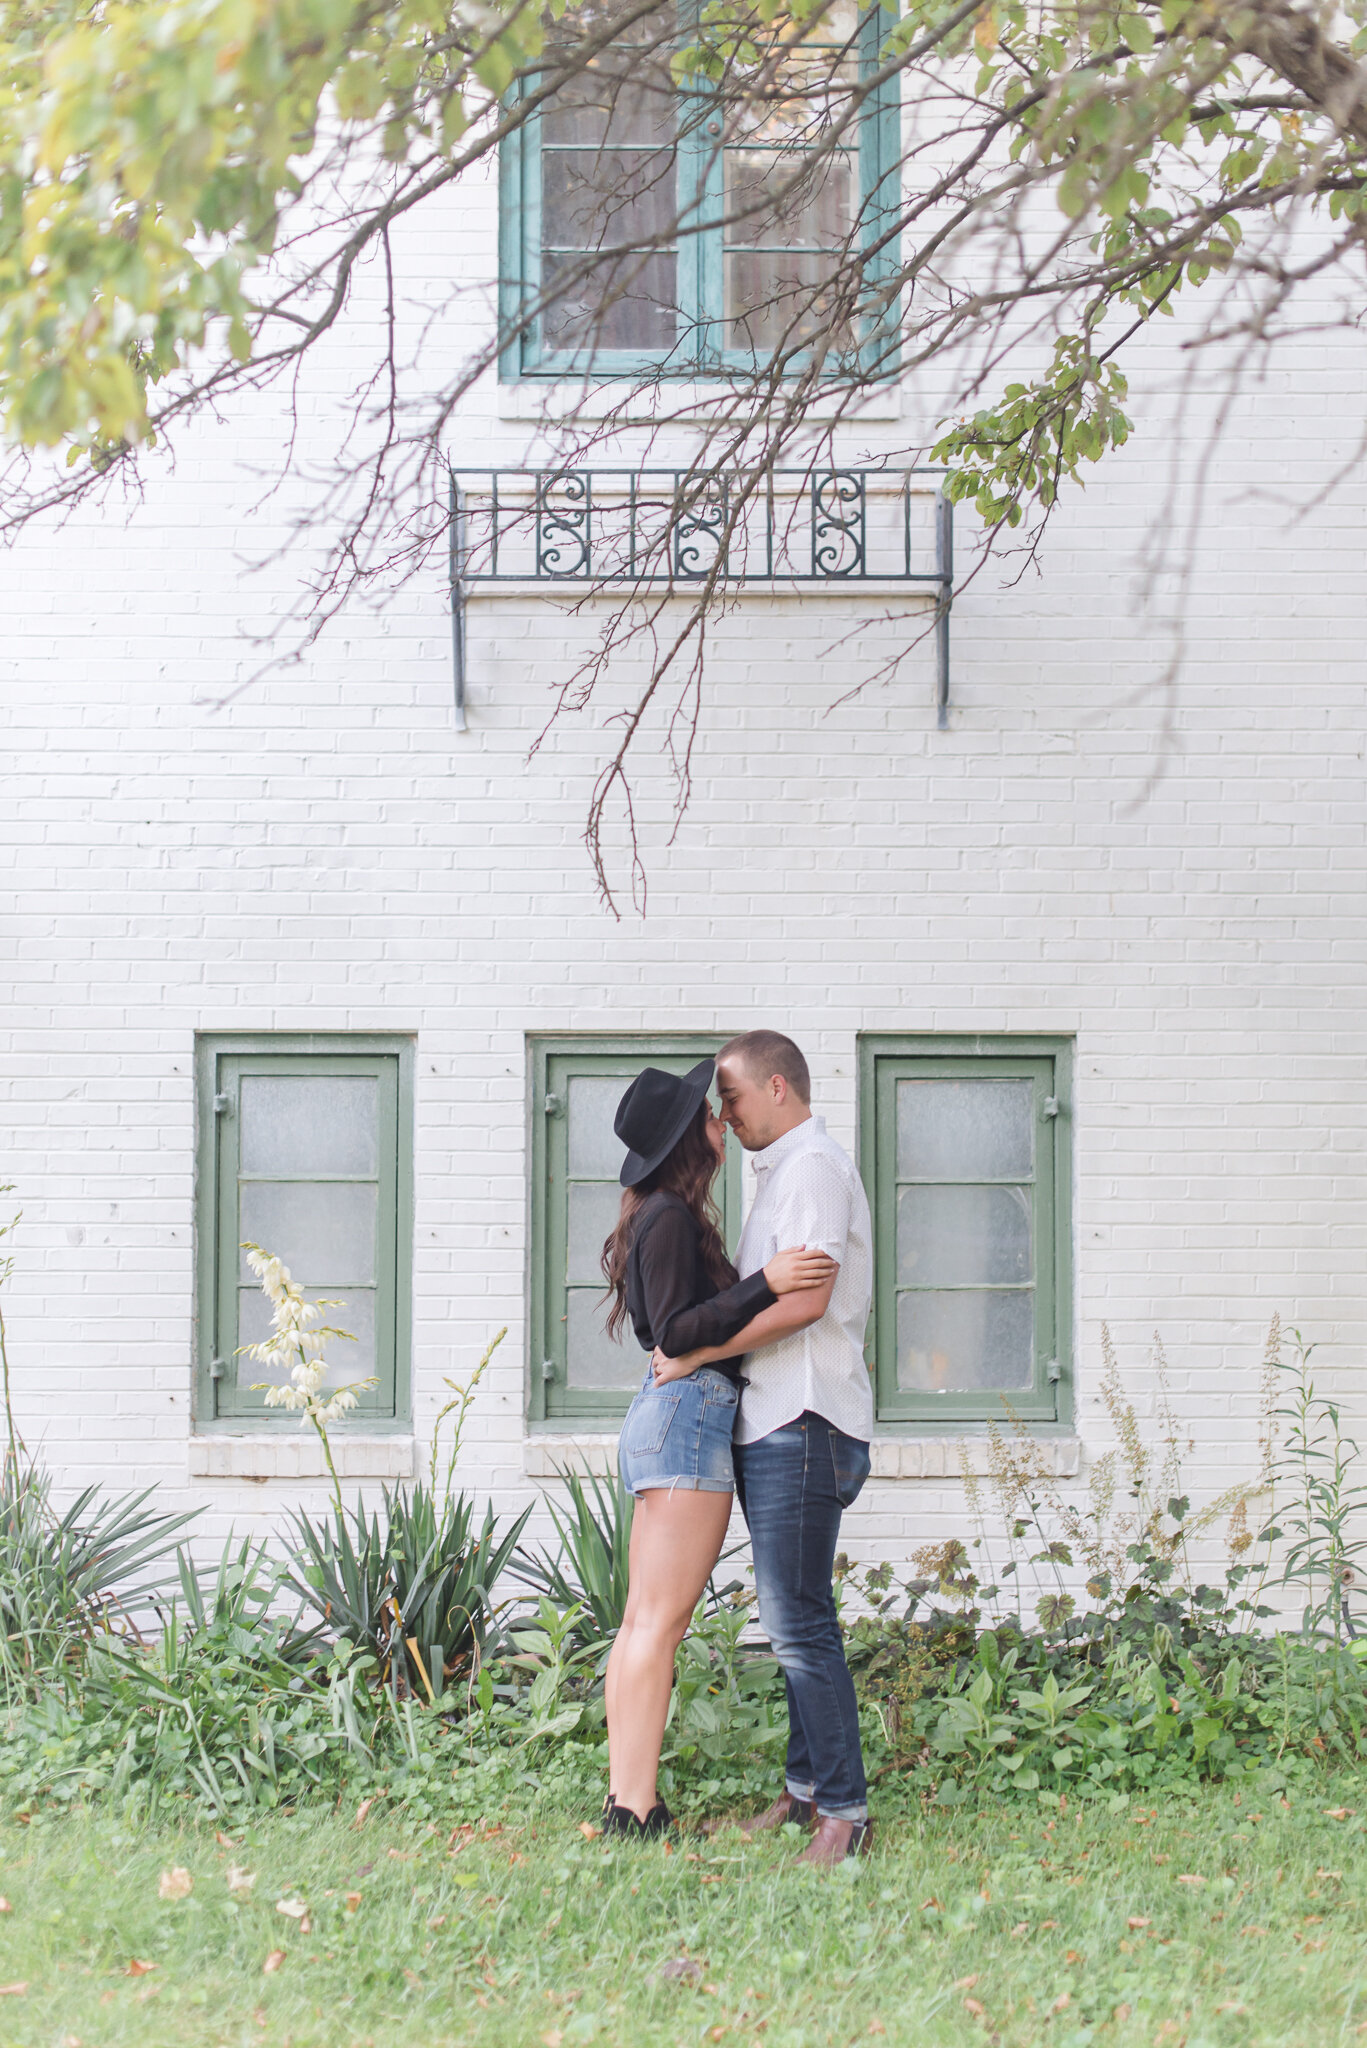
807	1192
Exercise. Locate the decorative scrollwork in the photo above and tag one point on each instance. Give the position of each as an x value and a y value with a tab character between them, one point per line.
837	522
696	523
564	521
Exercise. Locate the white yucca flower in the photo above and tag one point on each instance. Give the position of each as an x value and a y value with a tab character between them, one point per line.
297	1346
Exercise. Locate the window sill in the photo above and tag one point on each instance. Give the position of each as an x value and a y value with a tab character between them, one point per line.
669	401
300	1457
892	1457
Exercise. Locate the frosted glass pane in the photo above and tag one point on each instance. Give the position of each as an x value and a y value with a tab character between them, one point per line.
963	1237
594	1208
594	1360
310	1123
596	1152
346	1362
323	1230
965	1130
950	1343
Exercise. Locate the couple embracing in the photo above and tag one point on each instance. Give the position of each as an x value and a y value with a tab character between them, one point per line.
756	1386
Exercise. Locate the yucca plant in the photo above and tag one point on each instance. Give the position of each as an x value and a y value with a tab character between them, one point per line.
412	1584
595	1540
91	1569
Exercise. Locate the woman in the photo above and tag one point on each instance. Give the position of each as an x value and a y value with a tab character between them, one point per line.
667	1270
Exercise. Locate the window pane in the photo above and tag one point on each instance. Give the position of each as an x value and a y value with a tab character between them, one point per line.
625	302
965	1130
310	1123
963	1236
594	1209
965	1342
345	1362
606	197
606	103
595	1150
323	1230
778	301
786	83
782	207
594	1360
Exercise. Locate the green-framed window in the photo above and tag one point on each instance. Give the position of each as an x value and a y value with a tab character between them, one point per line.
577	1371
965	1152
661	189
305	1148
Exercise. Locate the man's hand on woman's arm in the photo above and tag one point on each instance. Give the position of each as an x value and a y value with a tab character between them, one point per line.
795	1311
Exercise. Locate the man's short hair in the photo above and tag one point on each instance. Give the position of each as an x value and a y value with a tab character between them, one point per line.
765	1053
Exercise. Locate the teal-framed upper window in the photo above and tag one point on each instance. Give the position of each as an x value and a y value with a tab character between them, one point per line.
965	1149
636	214
305	1148
576	1371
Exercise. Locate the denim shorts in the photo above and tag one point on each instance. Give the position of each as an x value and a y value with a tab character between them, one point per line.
680	1434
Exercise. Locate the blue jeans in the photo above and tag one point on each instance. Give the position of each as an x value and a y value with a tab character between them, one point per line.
792	1486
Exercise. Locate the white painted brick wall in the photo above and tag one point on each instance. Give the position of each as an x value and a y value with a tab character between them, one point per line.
1181	886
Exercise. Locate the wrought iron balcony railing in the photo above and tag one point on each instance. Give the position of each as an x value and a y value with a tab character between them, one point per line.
674	530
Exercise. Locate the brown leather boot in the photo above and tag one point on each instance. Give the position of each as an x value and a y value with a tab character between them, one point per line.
784	1808
834	1840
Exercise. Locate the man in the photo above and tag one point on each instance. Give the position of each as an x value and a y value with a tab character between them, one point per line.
802	1440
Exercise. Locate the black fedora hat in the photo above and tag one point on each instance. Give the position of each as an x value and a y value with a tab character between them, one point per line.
654	1114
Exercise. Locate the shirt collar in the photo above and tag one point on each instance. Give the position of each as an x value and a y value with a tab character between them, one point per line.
791	1141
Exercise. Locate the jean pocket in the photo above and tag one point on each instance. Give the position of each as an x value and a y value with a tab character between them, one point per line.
647	1424
719	1391
850	1463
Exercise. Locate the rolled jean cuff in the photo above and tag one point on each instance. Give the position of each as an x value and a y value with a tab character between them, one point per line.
805	1792
858	1814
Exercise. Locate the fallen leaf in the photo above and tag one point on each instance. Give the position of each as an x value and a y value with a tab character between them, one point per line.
137	1968
1121	2014
718	1879
240	1881
589	1831
1062	2002
681	1969
716	2033
438	1920
1134	1923
273	1962
975	2006
1326	1875
1021	1927
1231	2005
1187	1877
13	1990
363	1811
1073	1956
293	1909
175	1883
1312	1948
554	2038
351	1901
1339	1812
930	1905
411	1975
965	1983
5	1906
1252	1930
877	2027
401	1855
1047	1923
224	1841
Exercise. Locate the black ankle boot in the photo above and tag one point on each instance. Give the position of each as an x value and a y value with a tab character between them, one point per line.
658	1821
618	1820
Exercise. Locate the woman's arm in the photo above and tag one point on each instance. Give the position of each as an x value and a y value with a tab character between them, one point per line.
669	1282
793	1312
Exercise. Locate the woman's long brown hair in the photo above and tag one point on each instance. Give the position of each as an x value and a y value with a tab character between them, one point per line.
688	1171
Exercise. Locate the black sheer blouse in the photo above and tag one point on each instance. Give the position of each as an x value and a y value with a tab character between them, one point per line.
672	1299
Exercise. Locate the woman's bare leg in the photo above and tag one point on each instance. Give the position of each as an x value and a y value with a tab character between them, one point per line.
676	1539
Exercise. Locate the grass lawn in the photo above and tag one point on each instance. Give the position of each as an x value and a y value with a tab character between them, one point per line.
1189	1922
